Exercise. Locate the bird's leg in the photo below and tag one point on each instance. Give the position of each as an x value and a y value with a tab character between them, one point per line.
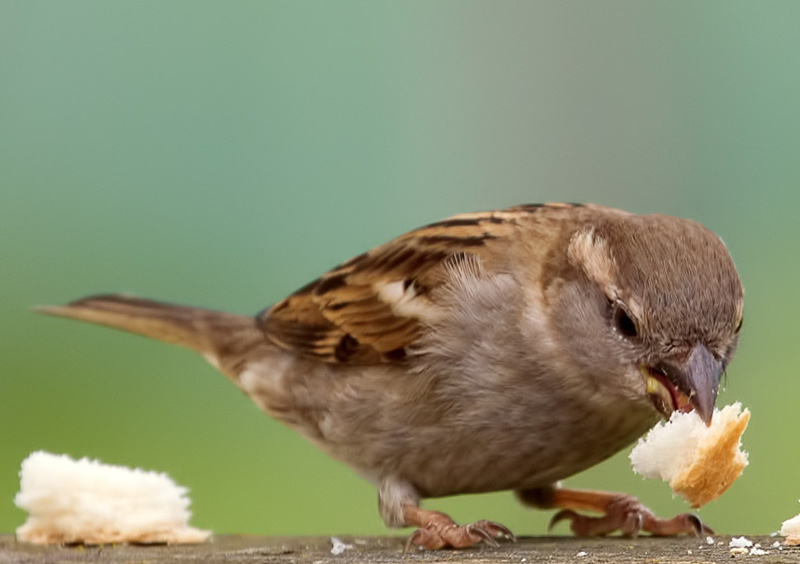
398	502
619	512
438	530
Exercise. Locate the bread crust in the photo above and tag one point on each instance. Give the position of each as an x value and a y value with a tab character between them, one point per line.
718	463
700	462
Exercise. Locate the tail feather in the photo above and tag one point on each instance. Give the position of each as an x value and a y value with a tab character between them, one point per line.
201	330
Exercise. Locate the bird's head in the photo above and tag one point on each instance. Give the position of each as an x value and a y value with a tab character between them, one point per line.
655	301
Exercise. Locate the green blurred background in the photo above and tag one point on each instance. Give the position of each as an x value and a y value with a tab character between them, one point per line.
225	153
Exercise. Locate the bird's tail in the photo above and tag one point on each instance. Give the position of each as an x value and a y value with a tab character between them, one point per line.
213	334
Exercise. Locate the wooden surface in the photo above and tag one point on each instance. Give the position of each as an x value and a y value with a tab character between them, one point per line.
234	549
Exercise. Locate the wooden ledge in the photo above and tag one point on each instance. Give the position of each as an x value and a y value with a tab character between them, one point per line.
246	549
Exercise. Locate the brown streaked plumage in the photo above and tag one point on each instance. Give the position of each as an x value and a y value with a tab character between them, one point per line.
489	351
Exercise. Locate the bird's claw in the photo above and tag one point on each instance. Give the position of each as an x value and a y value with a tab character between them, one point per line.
443	533
626	514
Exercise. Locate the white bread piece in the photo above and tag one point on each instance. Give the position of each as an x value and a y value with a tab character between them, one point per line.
85	501
791	530
698	461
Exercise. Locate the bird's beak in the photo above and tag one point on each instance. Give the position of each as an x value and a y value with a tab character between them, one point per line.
687	385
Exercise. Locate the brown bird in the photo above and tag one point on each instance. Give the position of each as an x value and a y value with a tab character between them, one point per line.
502	350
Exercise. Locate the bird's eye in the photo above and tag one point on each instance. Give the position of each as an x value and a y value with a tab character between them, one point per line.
623	322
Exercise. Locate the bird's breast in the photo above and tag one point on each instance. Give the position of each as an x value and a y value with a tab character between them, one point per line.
519	448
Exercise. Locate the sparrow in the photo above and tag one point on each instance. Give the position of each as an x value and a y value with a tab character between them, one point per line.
499	350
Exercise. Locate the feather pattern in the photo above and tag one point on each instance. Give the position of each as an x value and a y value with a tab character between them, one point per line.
374	307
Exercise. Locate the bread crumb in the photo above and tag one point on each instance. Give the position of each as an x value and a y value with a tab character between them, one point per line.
338	546
698	461
791	530
86	501
740	542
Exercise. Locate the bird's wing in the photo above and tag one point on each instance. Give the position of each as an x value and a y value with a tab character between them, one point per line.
372	308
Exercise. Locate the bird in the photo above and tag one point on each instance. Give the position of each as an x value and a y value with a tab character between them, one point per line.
490	351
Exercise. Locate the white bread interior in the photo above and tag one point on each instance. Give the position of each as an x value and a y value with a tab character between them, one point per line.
84	501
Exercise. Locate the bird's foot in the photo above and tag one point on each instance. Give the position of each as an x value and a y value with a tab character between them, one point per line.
626	514
437	530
